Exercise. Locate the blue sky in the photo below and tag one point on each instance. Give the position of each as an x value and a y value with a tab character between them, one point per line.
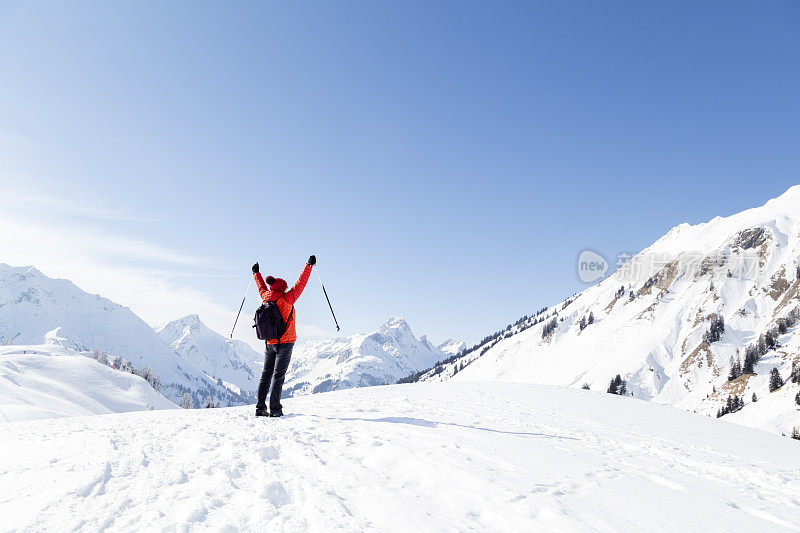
446	161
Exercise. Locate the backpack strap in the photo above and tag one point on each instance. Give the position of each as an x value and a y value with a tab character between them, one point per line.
288	319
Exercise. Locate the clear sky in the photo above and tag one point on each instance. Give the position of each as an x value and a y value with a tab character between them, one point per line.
446	161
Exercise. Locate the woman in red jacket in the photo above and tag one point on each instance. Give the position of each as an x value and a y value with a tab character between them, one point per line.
279	351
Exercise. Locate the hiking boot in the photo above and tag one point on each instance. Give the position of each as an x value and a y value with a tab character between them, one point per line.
276	414
262	412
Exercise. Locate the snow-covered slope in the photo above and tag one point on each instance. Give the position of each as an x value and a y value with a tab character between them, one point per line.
451	347
35	309
51	381
650	318
232	361
424	457
378	358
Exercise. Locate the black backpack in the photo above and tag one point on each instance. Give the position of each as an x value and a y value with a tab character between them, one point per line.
269	323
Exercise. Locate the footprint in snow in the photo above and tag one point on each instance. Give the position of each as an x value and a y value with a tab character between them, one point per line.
276	494
269	453
180	478
199	514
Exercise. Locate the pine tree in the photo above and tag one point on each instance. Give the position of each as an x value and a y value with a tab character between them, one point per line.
613	387
797	399
762	345
715	331
186	401
755	398
617	386
101	357
771	338
550	327
732	404
775	380
736	369
586	387
796	434
751	357
582	325
795	375
591	317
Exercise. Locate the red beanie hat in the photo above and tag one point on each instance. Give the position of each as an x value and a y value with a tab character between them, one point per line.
276	284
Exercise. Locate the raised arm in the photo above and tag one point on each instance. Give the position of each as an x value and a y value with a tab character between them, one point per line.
262	287
294	293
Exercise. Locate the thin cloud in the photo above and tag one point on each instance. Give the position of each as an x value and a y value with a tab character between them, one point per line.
148	278
312	332
95	262
19	201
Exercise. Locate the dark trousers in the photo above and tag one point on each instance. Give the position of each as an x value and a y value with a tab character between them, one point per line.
276	361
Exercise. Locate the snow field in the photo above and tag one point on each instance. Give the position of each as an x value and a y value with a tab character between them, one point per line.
424	457
52	381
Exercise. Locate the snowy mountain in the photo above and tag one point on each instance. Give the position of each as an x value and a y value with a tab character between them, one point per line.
52	381
451	347
377	358
674	322
423	457
36	309
232	361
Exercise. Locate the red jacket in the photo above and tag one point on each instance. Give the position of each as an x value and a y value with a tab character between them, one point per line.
285	300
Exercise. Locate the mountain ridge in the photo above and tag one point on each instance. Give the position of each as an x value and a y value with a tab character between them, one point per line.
36	309
380	357
652	318
232	361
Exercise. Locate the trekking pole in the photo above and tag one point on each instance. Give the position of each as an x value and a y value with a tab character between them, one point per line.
329	300
241	306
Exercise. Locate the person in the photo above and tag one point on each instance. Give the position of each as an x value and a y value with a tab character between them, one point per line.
279	351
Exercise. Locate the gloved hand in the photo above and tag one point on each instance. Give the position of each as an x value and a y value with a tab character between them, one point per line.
255	268
312	260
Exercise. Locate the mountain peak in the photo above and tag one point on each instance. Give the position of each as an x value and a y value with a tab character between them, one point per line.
452	346
234	362
675	323
194	318
789	198
792	192
378	358
396	322
22	272
189	321
396	326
